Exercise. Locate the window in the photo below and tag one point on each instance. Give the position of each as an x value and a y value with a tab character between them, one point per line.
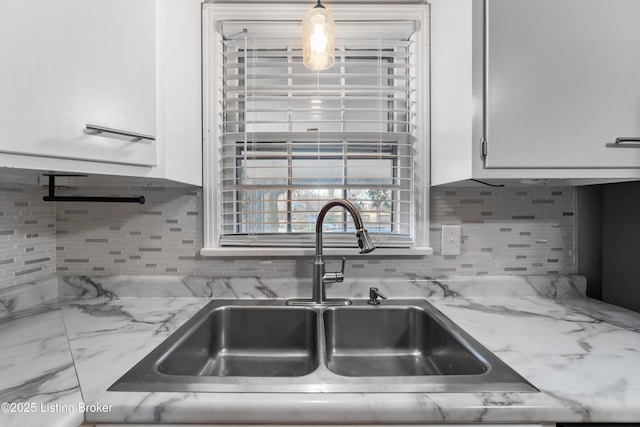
283	140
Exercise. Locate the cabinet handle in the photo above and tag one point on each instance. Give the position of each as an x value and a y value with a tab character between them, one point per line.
137	136
483	149
620	142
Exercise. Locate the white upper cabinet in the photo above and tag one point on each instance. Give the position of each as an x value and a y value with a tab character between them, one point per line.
550	84
563	81
76	62
73	63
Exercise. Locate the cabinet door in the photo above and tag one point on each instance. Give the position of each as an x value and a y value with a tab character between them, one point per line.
562	81
70	63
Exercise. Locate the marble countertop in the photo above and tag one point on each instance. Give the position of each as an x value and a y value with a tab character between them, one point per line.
38	382
582	354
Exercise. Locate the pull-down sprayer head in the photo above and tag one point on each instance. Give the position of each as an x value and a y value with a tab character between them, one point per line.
364	242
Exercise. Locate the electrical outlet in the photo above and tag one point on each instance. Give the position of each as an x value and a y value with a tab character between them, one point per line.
451	239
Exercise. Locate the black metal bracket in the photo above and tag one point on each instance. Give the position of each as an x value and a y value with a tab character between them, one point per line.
53	198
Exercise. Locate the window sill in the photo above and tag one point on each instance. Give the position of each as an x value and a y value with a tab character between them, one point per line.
244	251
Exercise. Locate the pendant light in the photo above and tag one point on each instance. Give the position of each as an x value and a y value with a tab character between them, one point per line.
318	38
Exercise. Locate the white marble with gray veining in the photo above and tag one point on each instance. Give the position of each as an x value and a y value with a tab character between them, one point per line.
260	288
38	383
581	354
28	295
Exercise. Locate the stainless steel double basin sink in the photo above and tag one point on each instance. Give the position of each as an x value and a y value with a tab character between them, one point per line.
267	346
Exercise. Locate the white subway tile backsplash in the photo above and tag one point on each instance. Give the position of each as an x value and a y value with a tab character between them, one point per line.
504	231
27	235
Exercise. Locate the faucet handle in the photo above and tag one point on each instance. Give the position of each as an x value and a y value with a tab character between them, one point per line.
337	276
374	294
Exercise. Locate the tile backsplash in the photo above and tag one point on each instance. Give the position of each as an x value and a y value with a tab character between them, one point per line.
27	235
510	230
162	236
506	230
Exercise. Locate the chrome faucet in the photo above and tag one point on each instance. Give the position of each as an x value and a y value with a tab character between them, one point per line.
320	277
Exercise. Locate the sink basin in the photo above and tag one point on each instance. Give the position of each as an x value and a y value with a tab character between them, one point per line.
247	341
264	346
394	341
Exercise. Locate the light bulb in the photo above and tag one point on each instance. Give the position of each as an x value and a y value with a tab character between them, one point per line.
318	39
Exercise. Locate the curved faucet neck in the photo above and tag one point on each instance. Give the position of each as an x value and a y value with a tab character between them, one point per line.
350	207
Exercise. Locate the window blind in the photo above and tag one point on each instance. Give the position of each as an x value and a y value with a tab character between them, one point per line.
292	138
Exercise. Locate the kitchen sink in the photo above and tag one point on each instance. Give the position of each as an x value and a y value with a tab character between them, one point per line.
247	341
394	341
267	346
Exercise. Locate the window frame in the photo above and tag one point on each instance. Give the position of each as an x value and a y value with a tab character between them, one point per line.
220	11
